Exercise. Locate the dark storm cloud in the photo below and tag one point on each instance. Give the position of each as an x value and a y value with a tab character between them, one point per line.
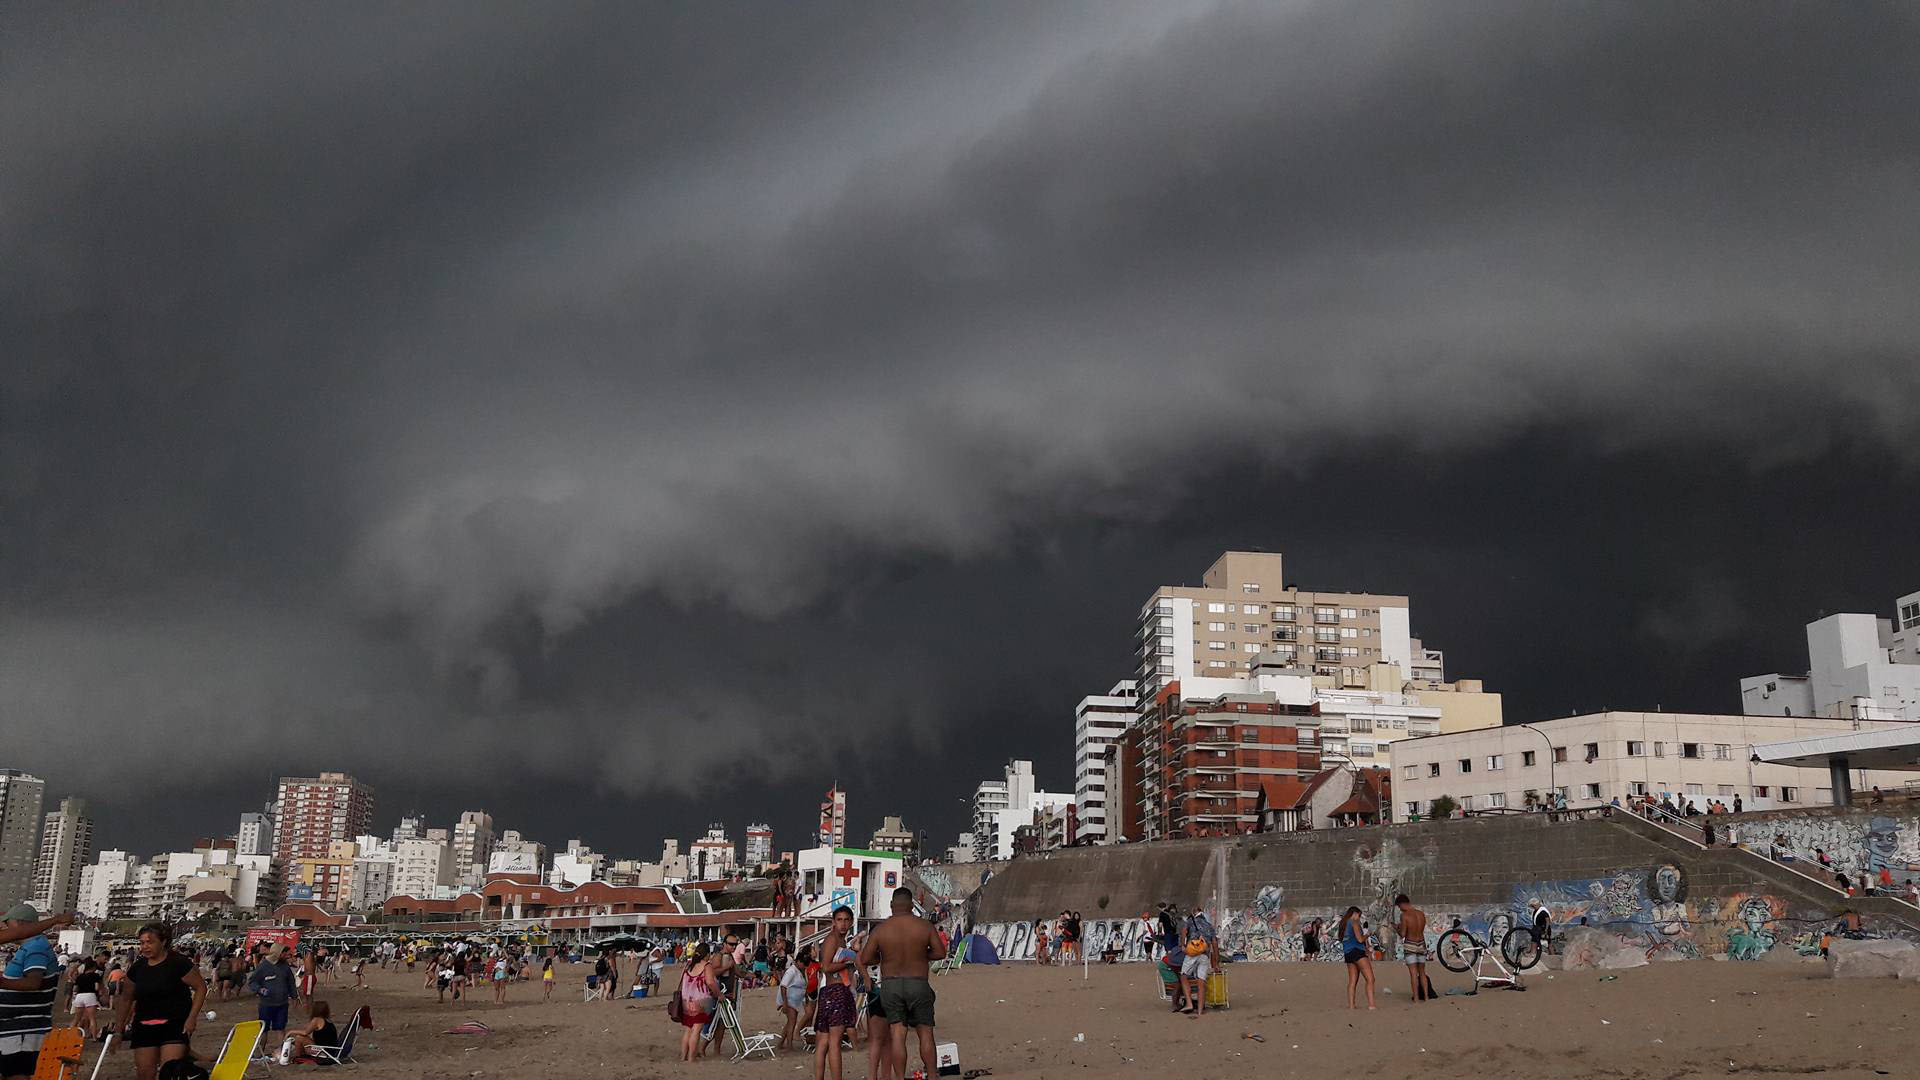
446	375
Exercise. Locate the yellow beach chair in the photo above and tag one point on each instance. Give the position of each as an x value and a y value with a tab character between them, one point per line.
238	1050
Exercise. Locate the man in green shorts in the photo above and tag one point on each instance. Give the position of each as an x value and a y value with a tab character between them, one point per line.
904	946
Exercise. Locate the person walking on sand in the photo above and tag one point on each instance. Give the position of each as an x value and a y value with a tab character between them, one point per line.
792	994
1353	947
835	1012
904	946
1412	929
546	978
500	979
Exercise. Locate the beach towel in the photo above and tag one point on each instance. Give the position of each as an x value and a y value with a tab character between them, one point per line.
471	1027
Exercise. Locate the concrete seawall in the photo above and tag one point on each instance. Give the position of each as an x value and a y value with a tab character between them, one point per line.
1643	886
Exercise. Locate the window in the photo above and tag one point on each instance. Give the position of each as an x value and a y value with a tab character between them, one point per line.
1350	631
1909	616
1326	636
1231	610
1217	627
1251	609
1349	651
1722	752
1360	723
1411	772
1760	791
1284	614
1636	748
1366	631
1251	734
1498	798
1592	750
1361	749
1250	646
1433	768
1531	795
1789	794
1592	791
1559	754
1526	758
1636	787
1466	764
1659	749
1252	628
1466	803
1413	807
1216	608
1689	749
1495	761
1249	586
1217	646
1349	613
1726	789
1696	789
1216	663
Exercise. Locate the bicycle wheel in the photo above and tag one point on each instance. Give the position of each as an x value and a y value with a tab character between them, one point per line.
1458	950
1520	948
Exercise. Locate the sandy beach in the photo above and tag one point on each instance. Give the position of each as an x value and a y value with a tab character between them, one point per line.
1673	1021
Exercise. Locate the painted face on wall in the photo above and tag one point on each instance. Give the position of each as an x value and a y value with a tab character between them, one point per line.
1668	885
1883	843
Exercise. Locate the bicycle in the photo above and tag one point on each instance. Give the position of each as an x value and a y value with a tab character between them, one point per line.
1460	951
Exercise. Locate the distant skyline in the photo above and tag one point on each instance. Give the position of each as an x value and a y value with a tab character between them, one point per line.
623	419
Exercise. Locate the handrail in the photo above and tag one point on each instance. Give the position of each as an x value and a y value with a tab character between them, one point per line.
1674	825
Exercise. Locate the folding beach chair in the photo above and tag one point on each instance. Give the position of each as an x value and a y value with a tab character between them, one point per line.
237	1052
342	1054
60	1054
745	1046
106	1044
956	956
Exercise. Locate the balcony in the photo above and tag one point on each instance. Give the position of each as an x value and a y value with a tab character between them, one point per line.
1327	655
1326	617
1286	633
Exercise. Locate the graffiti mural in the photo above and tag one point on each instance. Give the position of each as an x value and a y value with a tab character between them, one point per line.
1015	940
1876	843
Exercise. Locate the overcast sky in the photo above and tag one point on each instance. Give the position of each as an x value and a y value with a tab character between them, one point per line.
620	418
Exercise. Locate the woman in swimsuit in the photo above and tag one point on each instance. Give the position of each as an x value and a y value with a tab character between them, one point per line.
1353	946
697	988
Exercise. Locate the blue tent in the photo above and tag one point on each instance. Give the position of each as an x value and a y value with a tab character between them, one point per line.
980	950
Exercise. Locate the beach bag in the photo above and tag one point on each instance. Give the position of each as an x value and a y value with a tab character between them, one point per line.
676	1007
182	1069
1196	947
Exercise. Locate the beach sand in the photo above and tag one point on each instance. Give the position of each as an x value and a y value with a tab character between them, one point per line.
1671	1021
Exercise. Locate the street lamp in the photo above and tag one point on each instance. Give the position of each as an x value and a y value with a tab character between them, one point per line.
1553	783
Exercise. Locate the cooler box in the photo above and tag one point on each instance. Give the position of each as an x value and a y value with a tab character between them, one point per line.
1217	990
639	991
947	1058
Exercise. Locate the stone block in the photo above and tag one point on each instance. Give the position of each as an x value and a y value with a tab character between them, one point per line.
1872	959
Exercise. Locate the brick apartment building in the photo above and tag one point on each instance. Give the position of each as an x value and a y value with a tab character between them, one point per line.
1197	768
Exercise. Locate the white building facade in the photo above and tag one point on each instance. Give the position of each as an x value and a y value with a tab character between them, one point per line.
1858	667
422	867
66	843
21	799
1098	722
1002	806
1594	759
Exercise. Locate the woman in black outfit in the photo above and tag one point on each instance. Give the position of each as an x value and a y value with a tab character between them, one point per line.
157	1014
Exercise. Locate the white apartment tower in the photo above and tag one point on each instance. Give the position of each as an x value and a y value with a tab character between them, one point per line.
255	834
421	867
1098	722
1859	667
1001	806
472	845
97	882
713	854
21	798
66	843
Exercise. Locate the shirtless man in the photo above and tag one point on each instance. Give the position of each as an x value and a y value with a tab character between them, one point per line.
904	945
1412	929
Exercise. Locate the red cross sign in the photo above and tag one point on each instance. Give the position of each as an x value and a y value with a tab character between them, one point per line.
847	873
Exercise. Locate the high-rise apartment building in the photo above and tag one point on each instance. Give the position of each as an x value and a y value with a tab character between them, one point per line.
713	854
759	845
21	799
109	871
1098	722
421	867
1002	806
316	811
66	843
411	827
472	845
892	835
1244	607
255	834
1197	768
